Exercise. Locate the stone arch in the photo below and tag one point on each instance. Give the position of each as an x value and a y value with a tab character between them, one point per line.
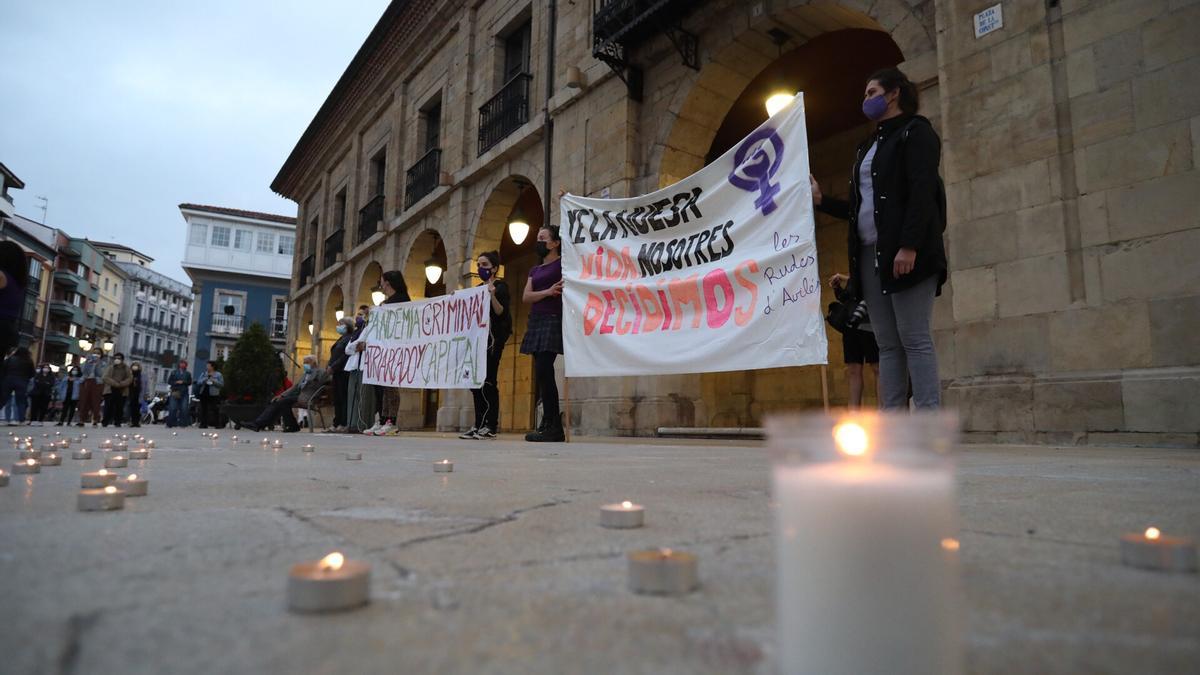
368	282
703	99
326	324
305	342
427	246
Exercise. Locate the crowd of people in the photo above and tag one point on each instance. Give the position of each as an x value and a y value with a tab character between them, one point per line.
102	391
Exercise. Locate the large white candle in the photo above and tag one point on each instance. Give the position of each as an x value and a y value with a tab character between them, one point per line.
866	557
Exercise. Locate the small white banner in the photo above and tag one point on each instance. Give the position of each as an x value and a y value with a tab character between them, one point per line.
439	343
717	272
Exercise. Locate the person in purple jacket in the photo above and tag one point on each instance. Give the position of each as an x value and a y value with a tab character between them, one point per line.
543	336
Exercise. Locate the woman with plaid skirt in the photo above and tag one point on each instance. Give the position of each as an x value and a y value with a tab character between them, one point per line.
543	335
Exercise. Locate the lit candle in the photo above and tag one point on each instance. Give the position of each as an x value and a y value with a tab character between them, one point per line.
116	462
3	478
277	444
174	433
64	443
82	436
122	447
234	438
623	515
134	486
1155	551
81	453
307	447
28	465
663	571
443	466
104	499
355	456
150	445
106	444
866	544
125	437
139	453
29	453
265	441
97	479
328	585
51	459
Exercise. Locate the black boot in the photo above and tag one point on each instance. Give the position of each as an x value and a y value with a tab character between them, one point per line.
552	433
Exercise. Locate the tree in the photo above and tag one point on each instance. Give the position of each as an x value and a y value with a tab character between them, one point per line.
253	372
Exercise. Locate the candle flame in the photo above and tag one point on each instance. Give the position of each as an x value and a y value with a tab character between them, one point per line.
851	438
332	562
665	552
31	461
627	505
110	490
103	472
1153	533
950	544
132	476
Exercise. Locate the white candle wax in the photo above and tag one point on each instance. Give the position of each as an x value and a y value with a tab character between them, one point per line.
3	478
134	485
623	515
443	466
51	459
663	572
104	499
81	453
1157	551
116	462
30	453
29	465
97	479
140	453
867	569
327	585
307	447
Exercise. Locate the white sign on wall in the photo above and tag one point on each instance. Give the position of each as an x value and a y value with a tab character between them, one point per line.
989	20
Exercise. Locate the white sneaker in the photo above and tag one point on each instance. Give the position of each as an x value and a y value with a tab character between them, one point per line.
370	431
386	430
485	434
469	434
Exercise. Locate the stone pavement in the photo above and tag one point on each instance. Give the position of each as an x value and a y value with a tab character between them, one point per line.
500	566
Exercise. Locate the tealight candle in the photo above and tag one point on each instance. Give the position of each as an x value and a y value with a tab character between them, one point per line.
234	439
662	571
82	436
1153	550
49	447
174	433
140	453
354	456
150	445
443	466
3	478
29	465
58	433
106	444
623	515
81	453
265	441
30	453
278	444
64	443
52	459
134	486
307	447
104	499
866	539
328	585
122	446
97	479
116	462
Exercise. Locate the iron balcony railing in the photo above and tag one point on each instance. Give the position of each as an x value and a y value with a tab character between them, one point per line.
306	270
422	177
505	112
278	329
227	324
333	248
369	217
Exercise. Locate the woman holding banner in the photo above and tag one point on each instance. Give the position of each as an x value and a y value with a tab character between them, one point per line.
357	410
387	399
543	335
487	397
897	214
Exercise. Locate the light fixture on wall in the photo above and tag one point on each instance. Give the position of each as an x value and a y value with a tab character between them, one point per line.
378	297
85	344
778	101
433	270
108	345
338	315
310	328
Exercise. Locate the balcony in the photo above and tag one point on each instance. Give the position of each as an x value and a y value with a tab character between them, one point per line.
369	217
306	269
422	177
279	329
333	248
75	314
72	280
231	325
505	112
619	25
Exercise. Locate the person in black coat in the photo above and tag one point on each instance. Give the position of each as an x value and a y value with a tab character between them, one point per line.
337	369
487	397
897	213
40	392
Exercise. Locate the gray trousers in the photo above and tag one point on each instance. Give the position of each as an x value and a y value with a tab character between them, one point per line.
902	324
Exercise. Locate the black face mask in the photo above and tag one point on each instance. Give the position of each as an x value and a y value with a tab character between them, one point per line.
543	249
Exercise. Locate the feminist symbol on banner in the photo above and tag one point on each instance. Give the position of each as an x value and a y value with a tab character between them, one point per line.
755	163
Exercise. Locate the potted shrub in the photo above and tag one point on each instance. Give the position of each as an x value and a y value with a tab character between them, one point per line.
253	374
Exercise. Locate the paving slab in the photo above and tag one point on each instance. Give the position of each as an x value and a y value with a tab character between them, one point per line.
501	567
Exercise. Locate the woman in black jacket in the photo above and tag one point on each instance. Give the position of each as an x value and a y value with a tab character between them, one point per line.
487	396
896	210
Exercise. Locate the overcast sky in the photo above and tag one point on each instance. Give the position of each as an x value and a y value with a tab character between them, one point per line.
120	111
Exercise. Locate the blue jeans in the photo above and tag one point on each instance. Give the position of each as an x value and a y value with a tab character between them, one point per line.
178	414
14	390
902	324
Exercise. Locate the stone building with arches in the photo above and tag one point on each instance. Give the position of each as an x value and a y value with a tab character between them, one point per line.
1068	155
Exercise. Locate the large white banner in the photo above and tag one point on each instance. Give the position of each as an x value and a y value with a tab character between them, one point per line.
717	272
439	343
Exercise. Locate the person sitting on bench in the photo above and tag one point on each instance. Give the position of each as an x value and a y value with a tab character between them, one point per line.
302	393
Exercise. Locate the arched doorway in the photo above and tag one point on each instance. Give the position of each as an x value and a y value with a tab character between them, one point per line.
512	199
368	285
305	342
424	272
827	51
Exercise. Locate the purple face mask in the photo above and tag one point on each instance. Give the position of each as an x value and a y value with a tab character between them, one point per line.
875	107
